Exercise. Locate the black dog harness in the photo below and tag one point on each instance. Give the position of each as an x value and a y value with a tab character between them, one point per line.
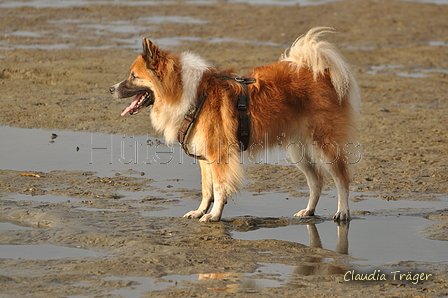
243	117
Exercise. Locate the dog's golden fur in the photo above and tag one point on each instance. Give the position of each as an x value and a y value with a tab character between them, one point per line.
307	103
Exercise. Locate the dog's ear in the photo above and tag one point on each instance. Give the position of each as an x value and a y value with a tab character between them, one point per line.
149	49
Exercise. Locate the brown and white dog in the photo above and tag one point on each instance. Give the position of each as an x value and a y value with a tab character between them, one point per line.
308	101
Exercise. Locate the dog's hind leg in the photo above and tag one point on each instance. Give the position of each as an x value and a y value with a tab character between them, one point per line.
339	170
340	174
315	183
302	159
207	191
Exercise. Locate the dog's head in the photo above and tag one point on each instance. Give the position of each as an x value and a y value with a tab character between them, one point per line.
145	80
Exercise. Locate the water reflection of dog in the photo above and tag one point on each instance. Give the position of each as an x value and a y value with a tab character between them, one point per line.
317	265
312	265
239	283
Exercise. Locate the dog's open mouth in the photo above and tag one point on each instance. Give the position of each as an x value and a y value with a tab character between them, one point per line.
142	100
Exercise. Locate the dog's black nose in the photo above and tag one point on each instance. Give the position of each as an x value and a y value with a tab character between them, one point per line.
112	89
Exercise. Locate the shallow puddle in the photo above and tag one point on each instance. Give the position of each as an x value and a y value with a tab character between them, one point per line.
439	2
439	43
392	236
127	33
6	226
131	42
47	198
177	40
74	3
268	275
43	252
105	154
285	2
395	69
142	284
390	239
382	232
150	284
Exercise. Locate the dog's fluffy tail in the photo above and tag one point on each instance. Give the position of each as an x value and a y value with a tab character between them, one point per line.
319	56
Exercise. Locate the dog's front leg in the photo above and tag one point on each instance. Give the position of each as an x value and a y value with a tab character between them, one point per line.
224	177
207	191
227	179
221	179
220	199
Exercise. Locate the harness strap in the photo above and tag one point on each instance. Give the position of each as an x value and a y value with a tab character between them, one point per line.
187	124
243	118
242	105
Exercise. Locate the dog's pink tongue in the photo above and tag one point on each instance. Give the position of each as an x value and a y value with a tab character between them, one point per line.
132	105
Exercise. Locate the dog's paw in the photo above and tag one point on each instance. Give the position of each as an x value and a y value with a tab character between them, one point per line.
304	212
209	218
342	216
194	214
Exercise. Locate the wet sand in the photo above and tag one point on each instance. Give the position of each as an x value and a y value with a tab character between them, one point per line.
56	66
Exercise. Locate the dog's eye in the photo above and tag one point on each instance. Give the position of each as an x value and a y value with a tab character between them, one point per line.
133	76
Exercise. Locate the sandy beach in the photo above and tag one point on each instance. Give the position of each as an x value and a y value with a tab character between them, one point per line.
86	228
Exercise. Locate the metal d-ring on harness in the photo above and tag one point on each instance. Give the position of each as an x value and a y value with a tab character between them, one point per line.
243	117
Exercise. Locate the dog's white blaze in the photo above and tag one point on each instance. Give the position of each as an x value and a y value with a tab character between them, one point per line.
170	117
115	94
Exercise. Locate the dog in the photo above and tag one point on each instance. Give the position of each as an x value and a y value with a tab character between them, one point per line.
307	103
